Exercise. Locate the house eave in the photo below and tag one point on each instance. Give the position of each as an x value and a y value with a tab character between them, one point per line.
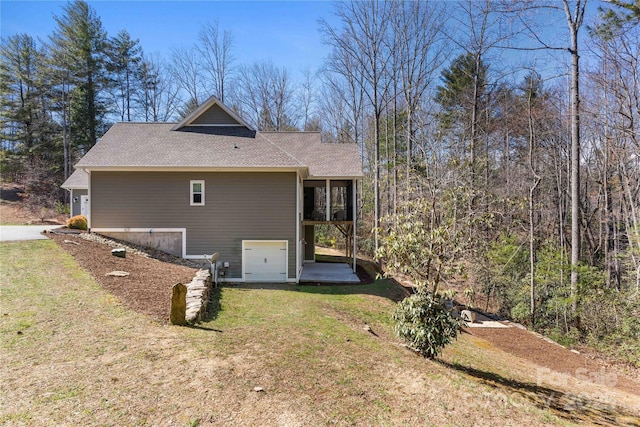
190	169
334	177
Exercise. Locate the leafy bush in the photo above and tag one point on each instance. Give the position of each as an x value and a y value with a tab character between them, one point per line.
326	236
505	278
78	222
609	318
521	312
416	244
424	322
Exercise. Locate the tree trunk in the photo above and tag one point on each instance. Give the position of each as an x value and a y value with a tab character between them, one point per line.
574	23
532	249
532	225
474	133
632	221
376	190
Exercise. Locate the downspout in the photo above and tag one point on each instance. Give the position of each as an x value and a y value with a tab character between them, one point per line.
90	200
327	209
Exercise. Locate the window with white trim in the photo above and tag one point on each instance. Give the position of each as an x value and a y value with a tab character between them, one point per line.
197	193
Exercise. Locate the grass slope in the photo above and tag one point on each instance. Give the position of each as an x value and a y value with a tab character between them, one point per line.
72	355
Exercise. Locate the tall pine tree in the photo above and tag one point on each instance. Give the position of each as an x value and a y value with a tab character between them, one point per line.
27	131
78	45
124	65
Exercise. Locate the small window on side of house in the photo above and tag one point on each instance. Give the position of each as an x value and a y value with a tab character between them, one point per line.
197	193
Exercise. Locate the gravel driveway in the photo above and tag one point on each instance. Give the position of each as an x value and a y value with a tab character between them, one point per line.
9	233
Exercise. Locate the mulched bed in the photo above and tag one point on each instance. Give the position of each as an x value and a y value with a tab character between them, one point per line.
147	289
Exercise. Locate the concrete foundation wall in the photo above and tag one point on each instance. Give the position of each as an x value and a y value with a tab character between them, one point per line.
170	242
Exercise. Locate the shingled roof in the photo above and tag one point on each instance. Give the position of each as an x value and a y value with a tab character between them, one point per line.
322	159
227	145
79	179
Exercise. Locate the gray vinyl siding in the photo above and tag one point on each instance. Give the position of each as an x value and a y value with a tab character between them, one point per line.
76	204
215	116
238	206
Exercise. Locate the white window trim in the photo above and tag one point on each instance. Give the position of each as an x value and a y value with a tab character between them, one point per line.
191	193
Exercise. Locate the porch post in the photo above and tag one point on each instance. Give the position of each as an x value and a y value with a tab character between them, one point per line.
89	223
354	208
327	214
299	245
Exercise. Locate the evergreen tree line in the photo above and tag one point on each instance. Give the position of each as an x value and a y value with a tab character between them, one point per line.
495	163
59	95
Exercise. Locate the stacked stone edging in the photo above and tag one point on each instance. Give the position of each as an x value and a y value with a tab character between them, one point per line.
138	249
198	292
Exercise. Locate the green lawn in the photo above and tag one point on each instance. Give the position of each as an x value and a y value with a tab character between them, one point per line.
72	355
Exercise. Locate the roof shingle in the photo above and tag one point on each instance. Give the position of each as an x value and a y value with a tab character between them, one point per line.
322	159
79	179
155	145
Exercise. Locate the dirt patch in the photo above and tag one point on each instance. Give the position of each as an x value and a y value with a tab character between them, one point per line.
363	275
15	208
147	288
13	213
531	347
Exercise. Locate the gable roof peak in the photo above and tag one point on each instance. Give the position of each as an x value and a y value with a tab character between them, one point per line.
212	112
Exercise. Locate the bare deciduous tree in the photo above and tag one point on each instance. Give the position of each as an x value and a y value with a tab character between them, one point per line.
419	51
361	41
575	17
266	96
307	98
160	94
185	70
216	52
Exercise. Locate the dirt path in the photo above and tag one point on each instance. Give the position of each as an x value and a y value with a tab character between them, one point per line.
559	359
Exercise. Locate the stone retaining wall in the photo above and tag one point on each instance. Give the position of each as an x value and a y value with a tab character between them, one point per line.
198	292
190	302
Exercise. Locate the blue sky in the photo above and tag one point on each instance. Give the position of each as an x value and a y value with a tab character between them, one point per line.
283	32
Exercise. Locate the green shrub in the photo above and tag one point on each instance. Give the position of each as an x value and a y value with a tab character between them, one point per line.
521	312
78	222
61	208
424	322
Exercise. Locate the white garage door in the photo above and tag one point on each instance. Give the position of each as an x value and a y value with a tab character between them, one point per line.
265	261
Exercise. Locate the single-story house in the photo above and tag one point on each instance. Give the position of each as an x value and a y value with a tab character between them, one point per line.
212	183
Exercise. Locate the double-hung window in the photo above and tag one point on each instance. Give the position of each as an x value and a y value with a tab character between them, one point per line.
197	193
